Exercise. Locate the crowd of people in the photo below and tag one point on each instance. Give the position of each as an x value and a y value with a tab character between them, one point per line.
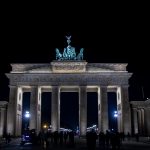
56	138
7	137
107	140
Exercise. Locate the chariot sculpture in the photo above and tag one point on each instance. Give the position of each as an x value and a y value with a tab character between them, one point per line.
69	52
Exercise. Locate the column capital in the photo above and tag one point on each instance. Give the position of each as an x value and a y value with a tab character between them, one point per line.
124	86
3	108
103	86
13	86
33	86
55	86
82	87
134	108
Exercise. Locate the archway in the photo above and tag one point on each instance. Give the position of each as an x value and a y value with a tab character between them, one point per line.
69	110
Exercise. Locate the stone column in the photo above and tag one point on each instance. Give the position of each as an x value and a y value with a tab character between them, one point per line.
147	120
99	110
55	110
82	110
39	110
11	112
103	109
140	121
33	124
2	120
125	110
119	110
135	120
18	123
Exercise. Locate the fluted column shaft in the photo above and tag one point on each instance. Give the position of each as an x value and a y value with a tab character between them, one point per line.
103	109
55	110
2	120
135	120
11	111
35	109
147	121
125	110
82	110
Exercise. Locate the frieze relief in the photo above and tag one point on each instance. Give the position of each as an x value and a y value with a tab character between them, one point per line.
66	66
68	78
70	67
140	104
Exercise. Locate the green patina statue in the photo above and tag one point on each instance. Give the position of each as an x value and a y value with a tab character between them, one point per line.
69	52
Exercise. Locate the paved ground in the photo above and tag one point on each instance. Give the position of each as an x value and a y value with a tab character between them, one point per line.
80	144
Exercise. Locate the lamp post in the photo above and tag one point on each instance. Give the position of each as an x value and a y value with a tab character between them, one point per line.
115	116
27	116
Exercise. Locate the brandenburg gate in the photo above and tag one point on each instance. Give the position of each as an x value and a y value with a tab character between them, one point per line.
68	73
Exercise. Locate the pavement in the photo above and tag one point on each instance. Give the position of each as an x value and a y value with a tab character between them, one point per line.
14	141
80	144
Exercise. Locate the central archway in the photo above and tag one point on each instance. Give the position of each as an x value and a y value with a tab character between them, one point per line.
92	109
69	110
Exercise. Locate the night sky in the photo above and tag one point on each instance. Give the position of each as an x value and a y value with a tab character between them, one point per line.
30	34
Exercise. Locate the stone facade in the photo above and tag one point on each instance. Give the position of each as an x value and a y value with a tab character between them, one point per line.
59	76
140	117
3	116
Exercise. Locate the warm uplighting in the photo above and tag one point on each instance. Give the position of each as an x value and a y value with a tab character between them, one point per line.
45	126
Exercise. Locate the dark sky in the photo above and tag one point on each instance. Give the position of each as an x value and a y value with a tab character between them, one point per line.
30	34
